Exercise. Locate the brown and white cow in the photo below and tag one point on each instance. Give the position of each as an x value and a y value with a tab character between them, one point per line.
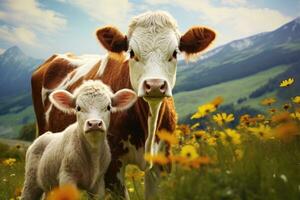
152	43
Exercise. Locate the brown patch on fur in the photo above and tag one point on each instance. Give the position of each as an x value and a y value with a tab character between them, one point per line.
36	90
56	73
196	40
112	39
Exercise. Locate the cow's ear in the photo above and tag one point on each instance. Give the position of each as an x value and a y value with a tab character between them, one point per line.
196	39
123	99
112	39
63	100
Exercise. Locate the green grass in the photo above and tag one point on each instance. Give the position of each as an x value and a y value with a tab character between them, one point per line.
267	171
187	102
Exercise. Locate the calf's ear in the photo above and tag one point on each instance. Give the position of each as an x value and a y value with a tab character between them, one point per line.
63	100
112	39
123	99
196	39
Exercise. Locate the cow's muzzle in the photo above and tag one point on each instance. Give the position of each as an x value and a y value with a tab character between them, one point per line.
155	88
94	125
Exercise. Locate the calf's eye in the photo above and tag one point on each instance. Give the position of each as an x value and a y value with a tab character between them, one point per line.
108	108
78	108
131	54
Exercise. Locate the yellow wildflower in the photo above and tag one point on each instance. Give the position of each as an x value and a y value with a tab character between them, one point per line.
189	151
272	110
130	189
167	137
230	136
203	111
287	131
195	125
217	101
160	159
268	101
9	161
197	162
281	117
296	99
286	106
200	134
212	141
287	82
66	192
262	131
296	115
222	118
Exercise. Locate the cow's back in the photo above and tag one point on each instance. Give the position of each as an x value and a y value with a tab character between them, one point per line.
64	71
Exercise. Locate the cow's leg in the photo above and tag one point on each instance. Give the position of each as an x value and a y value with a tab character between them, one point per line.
115	179
98	190
31	190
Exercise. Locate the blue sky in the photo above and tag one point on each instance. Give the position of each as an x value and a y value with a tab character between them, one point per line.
43	27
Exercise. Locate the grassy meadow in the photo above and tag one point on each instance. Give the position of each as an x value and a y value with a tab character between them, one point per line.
256	159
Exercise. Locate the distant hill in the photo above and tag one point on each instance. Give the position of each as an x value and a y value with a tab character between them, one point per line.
15	100
15	71
243	71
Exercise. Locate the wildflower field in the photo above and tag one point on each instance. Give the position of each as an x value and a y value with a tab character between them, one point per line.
213	159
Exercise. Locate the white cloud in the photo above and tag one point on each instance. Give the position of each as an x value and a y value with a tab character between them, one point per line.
234	2
113	12
31	14
232	22
18	35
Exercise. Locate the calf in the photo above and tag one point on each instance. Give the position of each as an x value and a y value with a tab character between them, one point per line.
80	154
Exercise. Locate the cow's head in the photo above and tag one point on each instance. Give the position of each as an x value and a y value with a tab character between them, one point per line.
153	42
93	103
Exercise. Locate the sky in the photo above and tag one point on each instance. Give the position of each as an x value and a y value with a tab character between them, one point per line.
44	27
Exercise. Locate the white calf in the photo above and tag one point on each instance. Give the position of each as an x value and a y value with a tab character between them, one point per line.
80	154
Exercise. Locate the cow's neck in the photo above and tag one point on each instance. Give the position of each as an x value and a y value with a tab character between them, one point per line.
154	107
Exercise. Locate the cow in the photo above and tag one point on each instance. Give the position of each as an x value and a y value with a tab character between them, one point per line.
80	154
143	60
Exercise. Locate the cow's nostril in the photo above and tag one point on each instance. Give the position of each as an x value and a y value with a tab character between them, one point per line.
100	124
147	86
163	87
89	124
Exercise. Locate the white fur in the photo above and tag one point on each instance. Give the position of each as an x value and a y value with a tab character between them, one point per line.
153	36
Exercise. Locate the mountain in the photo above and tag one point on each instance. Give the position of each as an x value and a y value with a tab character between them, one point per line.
243	71
15	71
15	101
241	58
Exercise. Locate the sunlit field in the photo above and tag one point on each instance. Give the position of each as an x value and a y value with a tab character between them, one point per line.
212	159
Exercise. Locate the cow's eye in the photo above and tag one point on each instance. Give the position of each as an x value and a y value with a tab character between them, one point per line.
175	54
78	108
108	108
131	54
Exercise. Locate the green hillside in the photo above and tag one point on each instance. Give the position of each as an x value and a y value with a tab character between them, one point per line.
231	91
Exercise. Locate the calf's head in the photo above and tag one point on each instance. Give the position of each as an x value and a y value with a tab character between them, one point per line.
153	42
93	102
